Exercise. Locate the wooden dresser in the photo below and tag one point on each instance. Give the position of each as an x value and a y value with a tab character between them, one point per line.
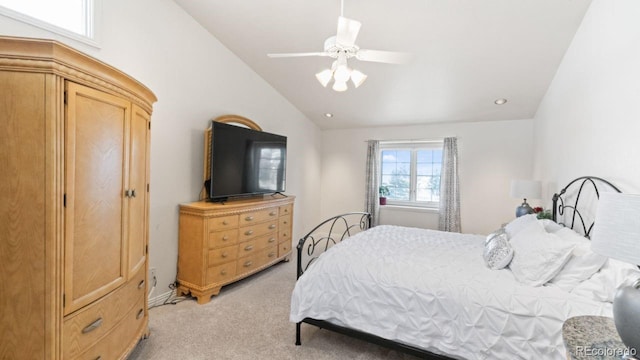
220	243
74	201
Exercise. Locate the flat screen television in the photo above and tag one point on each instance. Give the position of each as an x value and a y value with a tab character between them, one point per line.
245	162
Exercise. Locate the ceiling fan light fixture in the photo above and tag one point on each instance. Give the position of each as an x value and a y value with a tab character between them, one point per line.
340	86
324	77
357	77
342	74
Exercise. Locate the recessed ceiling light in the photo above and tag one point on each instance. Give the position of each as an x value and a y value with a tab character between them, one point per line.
328	115
500	101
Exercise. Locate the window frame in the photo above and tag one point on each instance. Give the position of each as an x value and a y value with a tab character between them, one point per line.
414	146
93	8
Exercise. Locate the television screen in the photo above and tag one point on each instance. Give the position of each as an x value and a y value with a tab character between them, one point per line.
246	162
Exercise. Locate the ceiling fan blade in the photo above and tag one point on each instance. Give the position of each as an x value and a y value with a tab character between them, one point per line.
284	55
389	57
347	31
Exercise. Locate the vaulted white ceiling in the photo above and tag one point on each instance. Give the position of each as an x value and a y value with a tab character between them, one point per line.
466	54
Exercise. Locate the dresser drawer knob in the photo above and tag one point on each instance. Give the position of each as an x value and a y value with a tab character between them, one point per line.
272	226
272	240
248	248
224	254
248	263
284	234
273	213
248	232
140	313
272	254
285	222
223	272
286	210
94	325
99	357
225	222
225	238
141	284
249	218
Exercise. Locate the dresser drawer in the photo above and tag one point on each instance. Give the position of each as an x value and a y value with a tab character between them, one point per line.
284	235
249	232
250	247
83	328
223	222
285	222
120	338
221	273
222	255
286	209
284	248
256	260
223	238
258	216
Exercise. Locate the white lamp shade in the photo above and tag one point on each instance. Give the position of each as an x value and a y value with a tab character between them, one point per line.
340	86
616	232
526	189
357	78
342	73
324	77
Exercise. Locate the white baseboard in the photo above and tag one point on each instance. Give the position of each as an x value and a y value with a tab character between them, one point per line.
160	299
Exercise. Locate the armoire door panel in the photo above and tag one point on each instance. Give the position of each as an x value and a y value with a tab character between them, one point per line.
138	181
95	245
22	210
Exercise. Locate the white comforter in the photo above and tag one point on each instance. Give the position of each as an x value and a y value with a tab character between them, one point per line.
432	289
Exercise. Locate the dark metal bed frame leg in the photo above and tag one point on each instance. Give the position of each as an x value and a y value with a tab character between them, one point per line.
298	343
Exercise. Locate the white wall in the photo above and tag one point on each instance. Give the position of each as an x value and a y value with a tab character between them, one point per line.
589	120
195	79
491	154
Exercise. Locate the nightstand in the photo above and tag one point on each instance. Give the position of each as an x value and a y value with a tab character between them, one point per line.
593	337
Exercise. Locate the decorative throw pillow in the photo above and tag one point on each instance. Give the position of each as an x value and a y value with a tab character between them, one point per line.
519	223
495	233
497	252
582	264
537	255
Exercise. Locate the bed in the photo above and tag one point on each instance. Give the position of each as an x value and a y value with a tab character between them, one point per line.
433	295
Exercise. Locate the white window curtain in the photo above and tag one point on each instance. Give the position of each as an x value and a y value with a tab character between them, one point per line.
449	187
372	201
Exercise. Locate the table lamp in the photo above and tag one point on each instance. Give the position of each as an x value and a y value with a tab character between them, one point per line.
616	234
525	189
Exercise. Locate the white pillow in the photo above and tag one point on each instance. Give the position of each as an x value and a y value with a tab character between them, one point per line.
519	223
538	255
497	252
603	284
551	226
581	266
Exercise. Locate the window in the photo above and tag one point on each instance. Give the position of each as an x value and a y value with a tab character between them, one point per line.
411	172
71	18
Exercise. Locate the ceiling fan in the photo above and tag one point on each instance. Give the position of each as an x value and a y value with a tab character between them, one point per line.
342	47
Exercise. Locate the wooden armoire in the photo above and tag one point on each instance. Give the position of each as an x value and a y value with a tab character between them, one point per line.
74	204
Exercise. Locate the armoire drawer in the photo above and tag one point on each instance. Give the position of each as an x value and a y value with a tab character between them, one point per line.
83	328
116	341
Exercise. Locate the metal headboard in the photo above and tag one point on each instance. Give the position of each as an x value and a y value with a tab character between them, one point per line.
329	233
559	199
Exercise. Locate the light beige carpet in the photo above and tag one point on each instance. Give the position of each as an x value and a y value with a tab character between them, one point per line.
247	320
